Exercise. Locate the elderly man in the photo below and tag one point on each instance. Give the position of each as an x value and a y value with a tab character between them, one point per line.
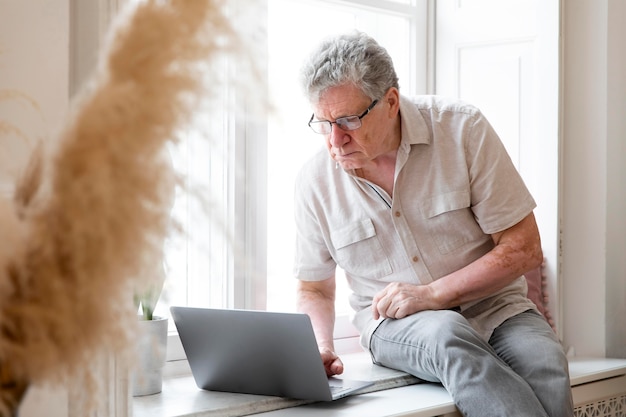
418	201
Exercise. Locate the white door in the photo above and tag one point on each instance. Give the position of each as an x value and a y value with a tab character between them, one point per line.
502	55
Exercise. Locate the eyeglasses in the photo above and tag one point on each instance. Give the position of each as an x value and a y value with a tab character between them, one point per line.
324	127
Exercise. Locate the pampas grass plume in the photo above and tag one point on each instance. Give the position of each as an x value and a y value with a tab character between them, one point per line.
91	213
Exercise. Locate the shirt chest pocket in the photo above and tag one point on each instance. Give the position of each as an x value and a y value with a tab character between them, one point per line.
358	250
450	220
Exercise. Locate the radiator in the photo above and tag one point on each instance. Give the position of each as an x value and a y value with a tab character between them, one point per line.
609	407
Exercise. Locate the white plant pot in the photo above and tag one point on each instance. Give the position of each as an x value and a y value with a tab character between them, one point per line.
147	378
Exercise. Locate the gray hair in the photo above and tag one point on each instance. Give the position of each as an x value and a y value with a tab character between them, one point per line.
353	58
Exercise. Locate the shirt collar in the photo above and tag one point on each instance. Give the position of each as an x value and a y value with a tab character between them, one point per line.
414	127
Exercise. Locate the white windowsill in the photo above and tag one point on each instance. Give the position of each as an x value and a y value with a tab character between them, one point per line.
181	397
394	394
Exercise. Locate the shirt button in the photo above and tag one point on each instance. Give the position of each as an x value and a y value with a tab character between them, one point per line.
415	259
397	214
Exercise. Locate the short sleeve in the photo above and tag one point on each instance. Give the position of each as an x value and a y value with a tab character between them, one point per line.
499	197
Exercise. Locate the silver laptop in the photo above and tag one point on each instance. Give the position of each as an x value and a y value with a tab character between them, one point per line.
257	352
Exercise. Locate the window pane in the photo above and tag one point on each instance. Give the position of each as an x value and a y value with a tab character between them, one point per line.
198	259
294	28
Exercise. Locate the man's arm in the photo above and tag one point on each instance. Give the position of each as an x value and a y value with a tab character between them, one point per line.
317	299
517	250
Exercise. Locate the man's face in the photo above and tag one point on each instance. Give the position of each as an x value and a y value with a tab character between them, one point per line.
354	149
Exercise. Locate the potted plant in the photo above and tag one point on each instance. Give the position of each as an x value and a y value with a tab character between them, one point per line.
147	378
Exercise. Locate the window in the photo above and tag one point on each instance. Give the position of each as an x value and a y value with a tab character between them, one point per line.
202	267
205	266
297	27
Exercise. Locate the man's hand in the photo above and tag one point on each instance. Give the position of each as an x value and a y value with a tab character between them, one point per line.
398	300
332	363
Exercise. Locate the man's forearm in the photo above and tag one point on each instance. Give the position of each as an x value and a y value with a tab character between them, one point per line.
517	251
318	303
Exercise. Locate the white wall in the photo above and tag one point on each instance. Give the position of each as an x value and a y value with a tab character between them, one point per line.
616	181
45	401
34	54
33	60
593	203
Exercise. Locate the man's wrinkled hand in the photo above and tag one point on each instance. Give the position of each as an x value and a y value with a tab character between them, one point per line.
332	363
398	300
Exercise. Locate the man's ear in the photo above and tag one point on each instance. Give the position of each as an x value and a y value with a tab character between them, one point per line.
392	98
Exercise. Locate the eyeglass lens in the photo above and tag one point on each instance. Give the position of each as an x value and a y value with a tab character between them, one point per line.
345	123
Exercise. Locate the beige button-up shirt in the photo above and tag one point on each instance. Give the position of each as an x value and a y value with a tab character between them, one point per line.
454	186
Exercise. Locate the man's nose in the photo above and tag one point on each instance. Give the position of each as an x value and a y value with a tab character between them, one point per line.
338	137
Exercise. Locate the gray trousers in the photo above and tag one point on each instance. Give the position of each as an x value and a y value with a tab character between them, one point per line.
522	371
